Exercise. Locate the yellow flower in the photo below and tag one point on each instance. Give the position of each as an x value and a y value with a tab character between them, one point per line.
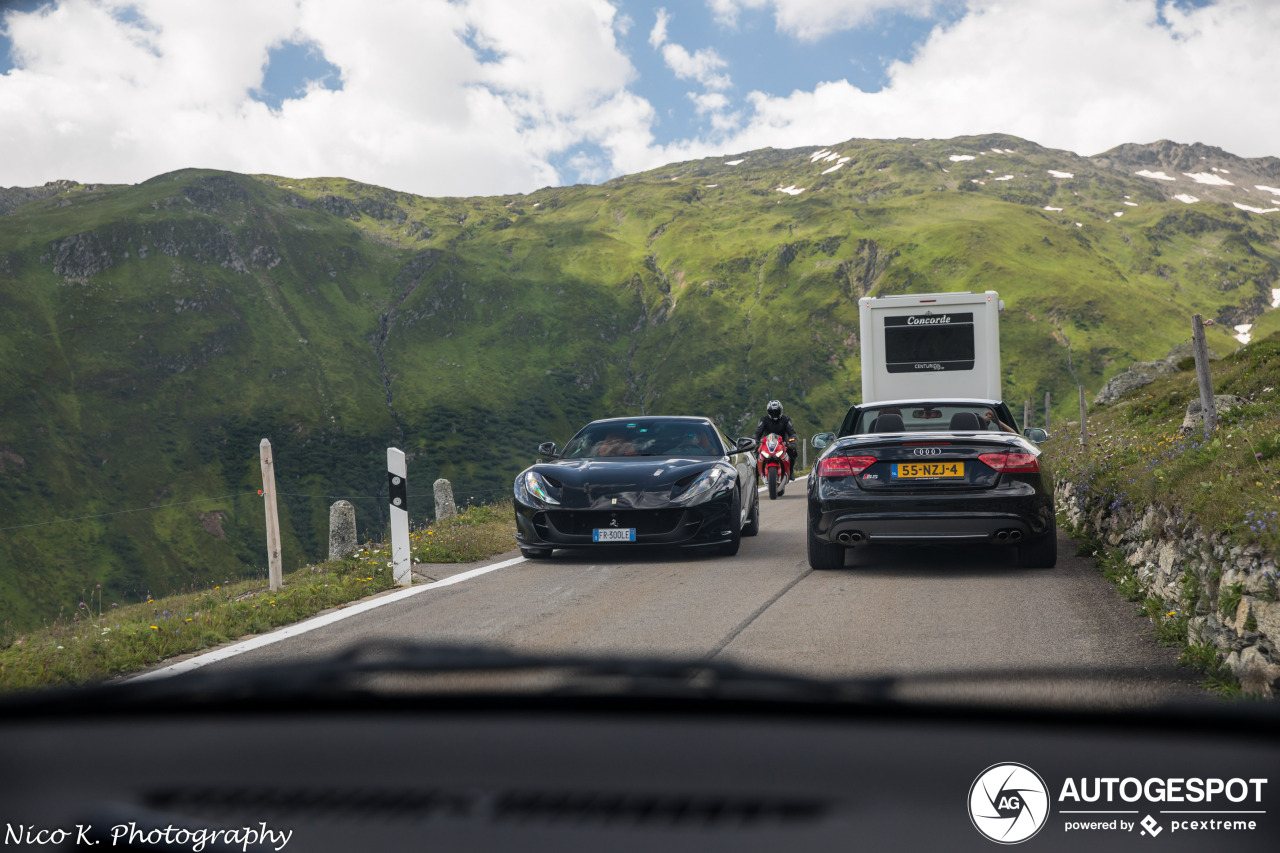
154	628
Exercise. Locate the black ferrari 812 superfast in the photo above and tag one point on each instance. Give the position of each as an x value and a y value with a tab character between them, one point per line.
629	482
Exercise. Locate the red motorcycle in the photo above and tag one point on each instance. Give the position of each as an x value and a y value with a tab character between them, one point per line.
774	463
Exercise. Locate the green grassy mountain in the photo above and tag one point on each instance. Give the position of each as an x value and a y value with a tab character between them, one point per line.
151	335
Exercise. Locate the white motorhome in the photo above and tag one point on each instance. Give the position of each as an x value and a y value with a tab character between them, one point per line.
921	345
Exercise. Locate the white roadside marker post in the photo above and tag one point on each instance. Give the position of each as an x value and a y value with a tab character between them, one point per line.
274	573
398	487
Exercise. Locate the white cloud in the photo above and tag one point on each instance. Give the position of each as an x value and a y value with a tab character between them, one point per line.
447	97
1023	68
812	19
95	98
658	34
709	102
702	65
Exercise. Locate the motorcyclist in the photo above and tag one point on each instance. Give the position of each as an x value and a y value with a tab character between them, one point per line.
776	422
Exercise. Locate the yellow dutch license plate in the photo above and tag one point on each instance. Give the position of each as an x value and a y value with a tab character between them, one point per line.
927	470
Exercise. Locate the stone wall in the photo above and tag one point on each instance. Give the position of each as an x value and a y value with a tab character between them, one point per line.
1234	588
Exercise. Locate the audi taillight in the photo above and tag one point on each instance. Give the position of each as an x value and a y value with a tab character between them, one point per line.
1012	463
844	466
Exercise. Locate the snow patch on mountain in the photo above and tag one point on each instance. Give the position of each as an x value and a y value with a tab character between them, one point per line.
1253	209
1208	178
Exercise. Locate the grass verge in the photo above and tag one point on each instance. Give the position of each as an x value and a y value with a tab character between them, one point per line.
1228	481
99	640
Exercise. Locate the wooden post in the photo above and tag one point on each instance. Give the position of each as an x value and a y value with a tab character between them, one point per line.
274	573
1202	374
1026	414
398	488
1084	431
1046	410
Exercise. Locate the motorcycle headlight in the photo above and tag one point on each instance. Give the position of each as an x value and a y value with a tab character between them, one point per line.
530	484
704	486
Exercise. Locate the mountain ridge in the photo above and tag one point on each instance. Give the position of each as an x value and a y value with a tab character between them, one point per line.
155	332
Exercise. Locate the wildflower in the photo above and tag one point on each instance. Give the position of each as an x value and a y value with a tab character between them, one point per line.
83	605
154	628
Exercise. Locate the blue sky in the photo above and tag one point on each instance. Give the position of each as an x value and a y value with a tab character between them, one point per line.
498	96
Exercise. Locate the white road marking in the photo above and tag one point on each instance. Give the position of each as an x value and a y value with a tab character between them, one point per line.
317	622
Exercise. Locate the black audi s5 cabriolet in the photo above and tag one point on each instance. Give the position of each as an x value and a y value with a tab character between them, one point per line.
930	472
628	482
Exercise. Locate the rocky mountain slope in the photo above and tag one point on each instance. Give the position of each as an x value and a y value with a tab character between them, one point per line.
153	334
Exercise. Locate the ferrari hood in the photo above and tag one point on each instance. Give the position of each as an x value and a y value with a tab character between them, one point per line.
623	483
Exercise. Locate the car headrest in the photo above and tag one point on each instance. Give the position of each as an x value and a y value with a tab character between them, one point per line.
964	421
889	423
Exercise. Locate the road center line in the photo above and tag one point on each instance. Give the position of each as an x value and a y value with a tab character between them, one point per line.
315	622
742	626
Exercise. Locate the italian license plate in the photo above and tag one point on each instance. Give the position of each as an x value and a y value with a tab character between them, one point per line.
927	470
613	534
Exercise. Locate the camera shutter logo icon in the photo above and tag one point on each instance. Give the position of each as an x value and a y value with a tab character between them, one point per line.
1008	803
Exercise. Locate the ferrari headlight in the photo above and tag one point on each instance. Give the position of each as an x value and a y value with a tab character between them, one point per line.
703	487
531	484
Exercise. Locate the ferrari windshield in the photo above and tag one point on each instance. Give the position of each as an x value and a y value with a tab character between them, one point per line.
645	437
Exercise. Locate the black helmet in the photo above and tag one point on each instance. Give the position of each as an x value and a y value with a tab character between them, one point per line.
774	409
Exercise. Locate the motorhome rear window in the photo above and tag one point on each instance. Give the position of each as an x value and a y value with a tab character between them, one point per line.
930	341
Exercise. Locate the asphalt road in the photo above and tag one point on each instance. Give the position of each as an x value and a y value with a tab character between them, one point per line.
958	625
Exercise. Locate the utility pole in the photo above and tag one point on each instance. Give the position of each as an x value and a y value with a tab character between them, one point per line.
1202	374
